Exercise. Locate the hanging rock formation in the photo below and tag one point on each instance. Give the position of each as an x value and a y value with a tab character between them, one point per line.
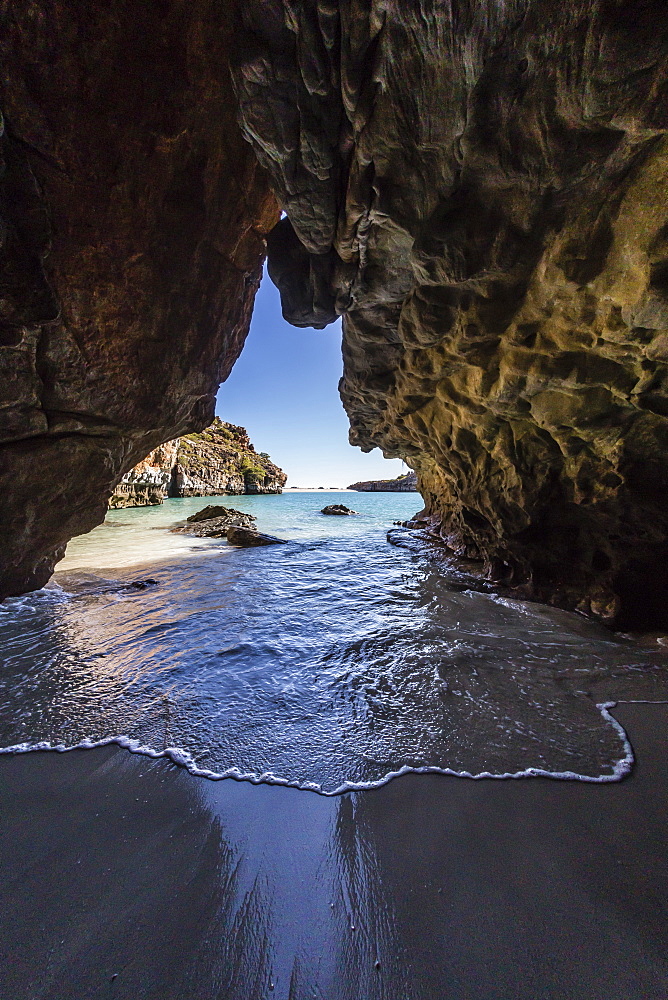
480	190
132	224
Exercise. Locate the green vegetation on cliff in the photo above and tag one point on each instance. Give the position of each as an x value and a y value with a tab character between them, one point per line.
216	461
221	459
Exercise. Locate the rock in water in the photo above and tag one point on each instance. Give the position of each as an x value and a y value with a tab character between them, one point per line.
217	511
246	537
337	508
214	522
215	527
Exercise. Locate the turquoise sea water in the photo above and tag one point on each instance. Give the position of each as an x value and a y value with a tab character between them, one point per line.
334	661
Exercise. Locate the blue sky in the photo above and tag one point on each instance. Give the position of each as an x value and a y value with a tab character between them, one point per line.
283	390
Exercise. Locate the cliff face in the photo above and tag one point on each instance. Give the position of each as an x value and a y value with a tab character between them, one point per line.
148	482
403	484
480	190
221	460
132	224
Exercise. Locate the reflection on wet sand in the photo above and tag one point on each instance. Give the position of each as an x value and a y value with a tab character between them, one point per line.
129	878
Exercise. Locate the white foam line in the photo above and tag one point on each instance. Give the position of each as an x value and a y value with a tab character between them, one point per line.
181	757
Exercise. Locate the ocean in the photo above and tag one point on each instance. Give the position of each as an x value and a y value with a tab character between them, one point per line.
334	662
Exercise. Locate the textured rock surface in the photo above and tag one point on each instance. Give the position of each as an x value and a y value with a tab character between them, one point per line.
480	189
403	484
337	509
222	460
246	538
214	522
132	228
218	461
147	483
215	511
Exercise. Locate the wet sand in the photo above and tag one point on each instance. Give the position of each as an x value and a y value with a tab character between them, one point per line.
124	877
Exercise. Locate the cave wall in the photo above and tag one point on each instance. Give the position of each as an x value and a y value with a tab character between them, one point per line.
132	225
479	189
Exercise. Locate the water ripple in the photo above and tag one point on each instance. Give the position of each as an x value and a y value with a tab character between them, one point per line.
334	662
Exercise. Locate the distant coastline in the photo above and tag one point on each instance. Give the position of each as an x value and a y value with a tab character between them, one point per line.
402	484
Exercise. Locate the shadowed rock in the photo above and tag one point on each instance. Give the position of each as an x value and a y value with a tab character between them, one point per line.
132	224
479	189
246	537
337	508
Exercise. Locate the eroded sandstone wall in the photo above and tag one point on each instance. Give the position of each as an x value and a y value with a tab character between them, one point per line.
147	483
480	190
132	224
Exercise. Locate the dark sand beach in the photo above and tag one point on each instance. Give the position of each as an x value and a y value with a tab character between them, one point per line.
125	877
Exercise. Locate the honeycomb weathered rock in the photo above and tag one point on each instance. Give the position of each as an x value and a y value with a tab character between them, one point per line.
480	190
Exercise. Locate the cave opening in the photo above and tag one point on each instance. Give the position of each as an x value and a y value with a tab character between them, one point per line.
284	390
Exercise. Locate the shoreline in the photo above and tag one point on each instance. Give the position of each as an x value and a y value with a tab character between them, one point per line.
128	877
183	759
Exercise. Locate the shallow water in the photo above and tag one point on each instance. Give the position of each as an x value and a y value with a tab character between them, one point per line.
332	662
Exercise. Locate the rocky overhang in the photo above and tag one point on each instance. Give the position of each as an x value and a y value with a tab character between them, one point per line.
480	191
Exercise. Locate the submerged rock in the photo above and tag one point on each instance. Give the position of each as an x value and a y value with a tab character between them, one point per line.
337	508
246	537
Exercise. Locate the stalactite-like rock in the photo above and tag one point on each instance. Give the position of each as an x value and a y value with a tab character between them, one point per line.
132	224
480	190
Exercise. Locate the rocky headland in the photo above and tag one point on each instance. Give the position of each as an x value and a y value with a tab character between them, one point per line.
218	461
402	484
478	190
